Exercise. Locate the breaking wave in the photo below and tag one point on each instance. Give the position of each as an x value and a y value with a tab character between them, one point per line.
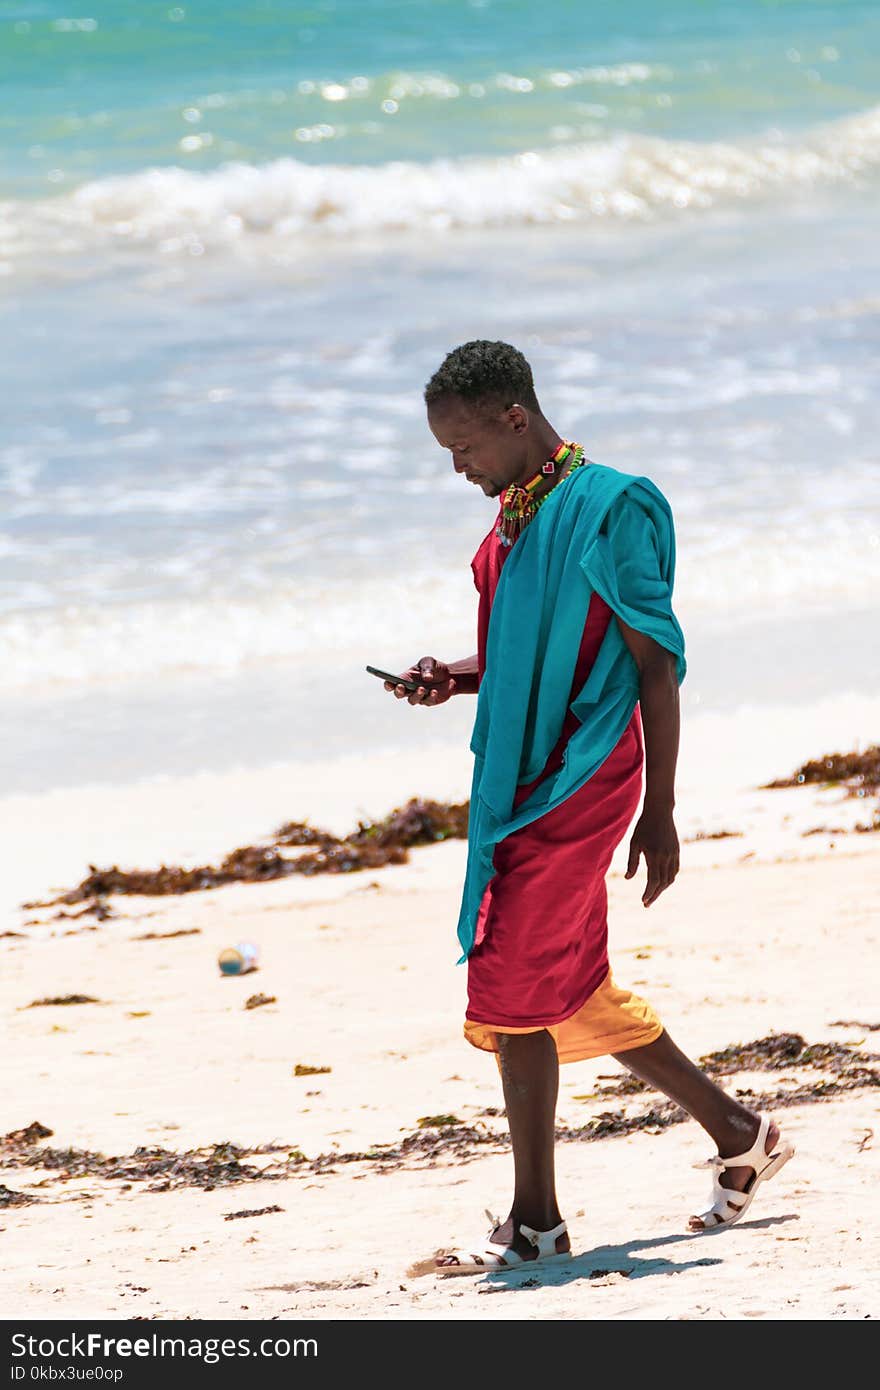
630	179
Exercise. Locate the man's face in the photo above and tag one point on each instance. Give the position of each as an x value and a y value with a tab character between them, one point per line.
488	448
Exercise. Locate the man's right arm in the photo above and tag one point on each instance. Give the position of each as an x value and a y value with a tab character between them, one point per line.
466	674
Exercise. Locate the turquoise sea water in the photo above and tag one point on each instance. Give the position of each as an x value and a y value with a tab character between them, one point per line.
235	240
109	88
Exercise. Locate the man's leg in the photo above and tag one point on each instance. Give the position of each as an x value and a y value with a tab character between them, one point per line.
530	1078
733	1127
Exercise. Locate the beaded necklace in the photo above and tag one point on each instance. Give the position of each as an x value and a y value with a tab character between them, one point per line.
519	504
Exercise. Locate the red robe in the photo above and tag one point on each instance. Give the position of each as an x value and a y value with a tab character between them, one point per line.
541	940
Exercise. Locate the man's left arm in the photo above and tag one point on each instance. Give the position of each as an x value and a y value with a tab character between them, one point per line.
654	835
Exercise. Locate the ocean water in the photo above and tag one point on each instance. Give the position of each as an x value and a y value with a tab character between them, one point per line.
236	240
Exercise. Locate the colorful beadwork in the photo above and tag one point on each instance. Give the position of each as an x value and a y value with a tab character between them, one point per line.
519	504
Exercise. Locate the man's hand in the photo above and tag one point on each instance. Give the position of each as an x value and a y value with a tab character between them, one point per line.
436	687
655	838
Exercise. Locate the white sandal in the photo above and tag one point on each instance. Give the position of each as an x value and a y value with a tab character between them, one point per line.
491	1255
728	1205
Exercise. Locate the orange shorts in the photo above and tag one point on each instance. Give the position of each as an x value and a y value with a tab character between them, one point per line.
612	1020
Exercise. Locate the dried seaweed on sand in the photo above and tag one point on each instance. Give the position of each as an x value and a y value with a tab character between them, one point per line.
256	1001
54	1001
250	1211
167	935
9	1198
371	845
442	1139
857	772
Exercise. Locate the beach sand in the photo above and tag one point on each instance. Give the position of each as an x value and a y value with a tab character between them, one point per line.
767	931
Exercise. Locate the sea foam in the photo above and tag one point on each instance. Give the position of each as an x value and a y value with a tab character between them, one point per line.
629	179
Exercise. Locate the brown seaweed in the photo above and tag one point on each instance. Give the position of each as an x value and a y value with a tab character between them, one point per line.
167	935
438	1138
8	1198
57	999
777	1052
97	907
419	822
250	1211
373	844
18	1139
256	1001
858	771
781	1050
713	835
214	1165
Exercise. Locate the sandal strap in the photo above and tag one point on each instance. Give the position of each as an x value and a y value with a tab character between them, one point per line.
756	1157
719	1213
724	1195
544	1241
492	1255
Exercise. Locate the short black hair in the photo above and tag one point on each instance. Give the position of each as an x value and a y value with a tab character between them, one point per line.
484	373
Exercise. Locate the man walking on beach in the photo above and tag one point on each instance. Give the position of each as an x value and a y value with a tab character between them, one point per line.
577	672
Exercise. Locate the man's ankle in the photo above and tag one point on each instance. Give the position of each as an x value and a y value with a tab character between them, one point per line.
545	1219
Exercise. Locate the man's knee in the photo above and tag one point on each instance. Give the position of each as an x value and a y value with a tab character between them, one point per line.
519	1052
512	1043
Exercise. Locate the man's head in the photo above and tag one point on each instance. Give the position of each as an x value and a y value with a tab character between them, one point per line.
482	406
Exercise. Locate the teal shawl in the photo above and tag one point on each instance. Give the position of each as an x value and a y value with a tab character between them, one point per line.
599	530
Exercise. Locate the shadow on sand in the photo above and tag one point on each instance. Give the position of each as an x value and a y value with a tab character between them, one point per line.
623	1259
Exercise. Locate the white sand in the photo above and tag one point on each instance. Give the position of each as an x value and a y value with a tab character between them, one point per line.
766	932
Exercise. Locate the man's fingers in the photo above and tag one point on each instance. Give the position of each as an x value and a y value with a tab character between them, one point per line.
652	888
423	695
633	861
661	871
655	881
654	885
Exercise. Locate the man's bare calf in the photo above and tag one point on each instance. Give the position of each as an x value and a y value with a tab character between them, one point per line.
530	1080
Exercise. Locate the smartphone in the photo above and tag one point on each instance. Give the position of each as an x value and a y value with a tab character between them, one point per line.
396	680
